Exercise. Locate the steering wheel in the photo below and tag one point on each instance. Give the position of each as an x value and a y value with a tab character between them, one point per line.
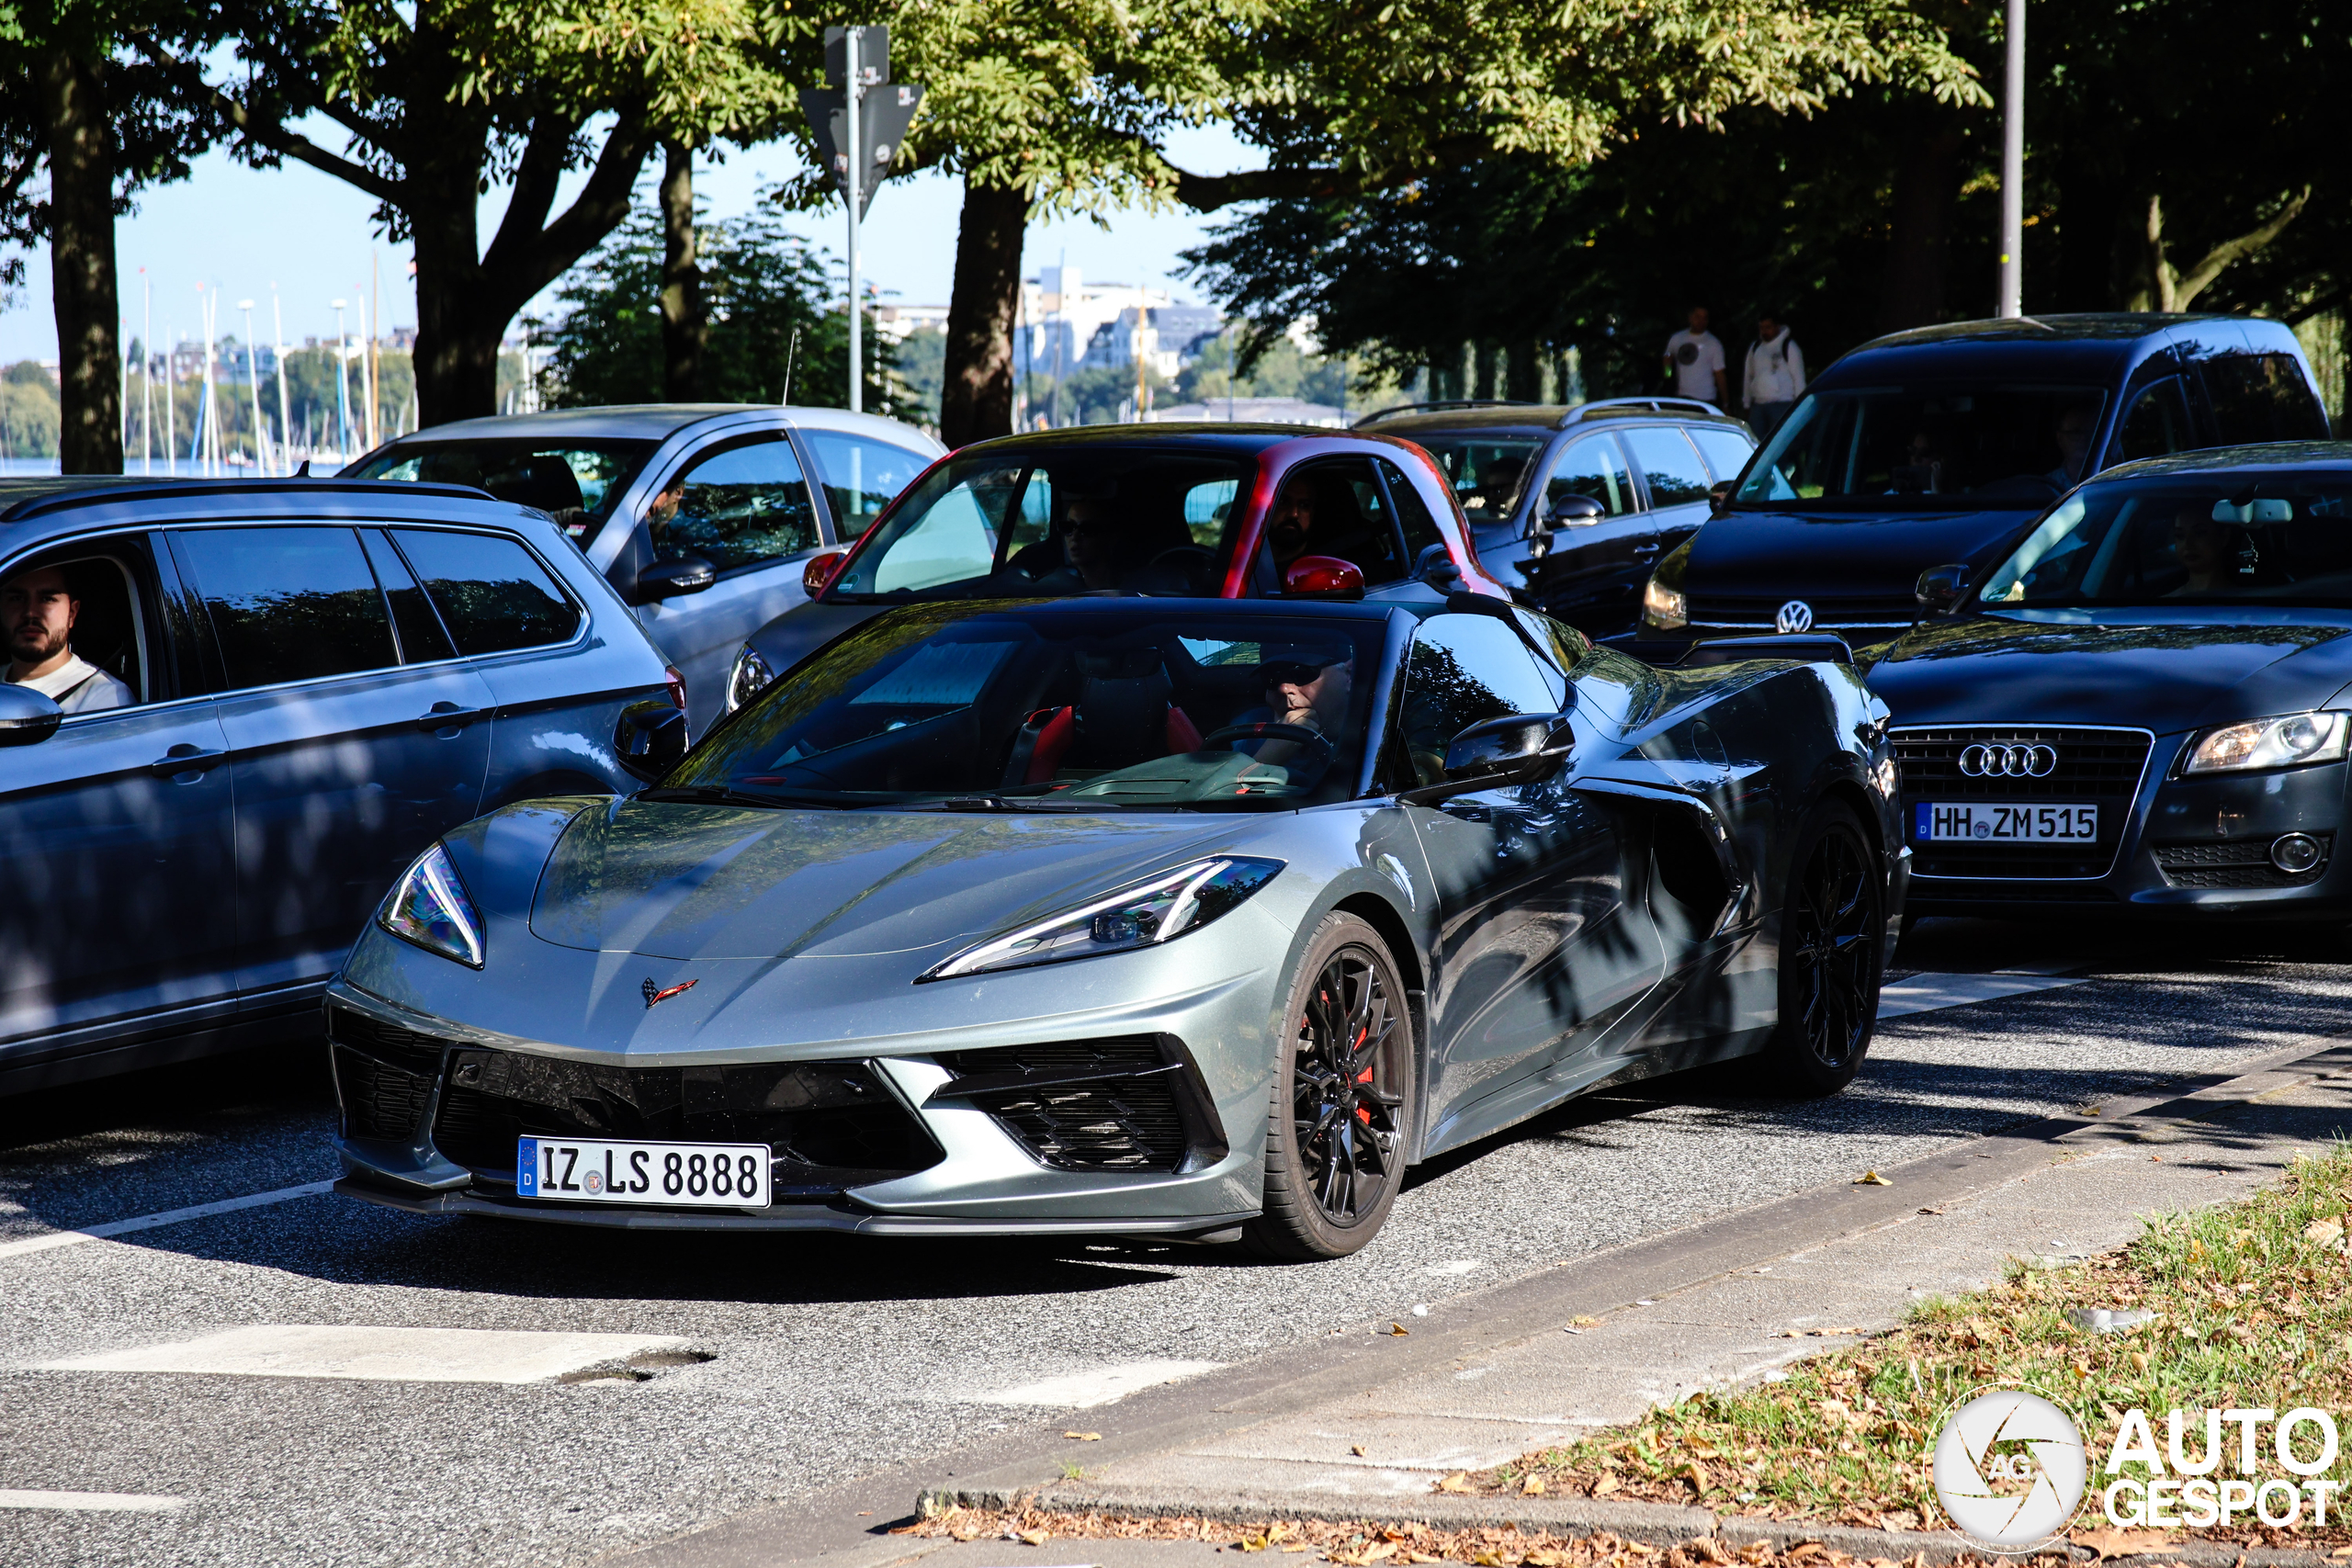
1298	732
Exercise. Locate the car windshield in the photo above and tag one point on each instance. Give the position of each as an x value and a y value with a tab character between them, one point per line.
1487	473
1028	523
1926	447
576	482
1120	705
2219	537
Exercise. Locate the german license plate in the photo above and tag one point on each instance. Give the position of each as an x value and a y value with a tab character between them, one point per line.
597	1170
1985	822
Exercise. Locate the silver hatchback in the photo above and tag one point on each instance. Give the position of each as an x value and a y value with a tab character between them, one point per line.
703	515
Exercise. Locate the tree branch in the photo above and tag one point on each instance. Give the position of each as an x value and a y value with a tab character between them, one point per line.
1206	193
2161	279
2194	281
537	175
533	262
265	131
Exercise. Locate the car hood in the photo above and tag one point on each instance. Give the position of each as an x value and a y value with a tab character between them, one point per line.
2158	670
700	882
1824	555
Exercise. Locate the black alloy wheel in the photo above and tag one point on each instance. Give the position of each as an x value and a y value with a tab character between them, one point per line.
1833	938
1335	1138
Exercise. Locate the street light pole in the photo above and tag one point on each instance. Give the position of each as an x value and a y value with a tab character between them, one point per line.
855	90
253	390
2012	301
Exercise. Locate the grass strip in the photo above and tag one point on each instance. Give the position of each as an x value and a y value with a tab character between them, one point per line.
2251	1310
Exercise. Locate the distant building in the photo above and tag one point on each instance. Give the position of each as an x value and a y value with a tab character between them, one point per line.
896	322
1252	410
1104	324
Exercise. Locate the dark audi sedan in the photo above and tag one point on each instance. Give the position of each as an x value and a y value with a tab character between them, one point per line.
2143	709
234	713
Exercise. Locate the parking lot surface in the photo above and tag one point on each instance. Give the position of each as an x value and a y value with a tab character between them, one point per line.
745	1371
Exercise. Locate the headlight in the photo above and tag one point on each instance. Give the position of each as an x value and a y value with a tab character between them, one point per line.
749	676
2286	742
1144	914
429	906
1664	607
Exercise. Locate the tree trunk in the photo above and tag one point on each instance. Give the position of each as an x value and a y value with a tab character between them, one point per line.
456	337
1927	189
1523	379
975	401
684	327
81	249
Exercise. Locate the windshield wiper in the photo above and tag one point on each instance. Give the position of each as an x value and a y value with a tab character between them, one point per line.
998	803
719	794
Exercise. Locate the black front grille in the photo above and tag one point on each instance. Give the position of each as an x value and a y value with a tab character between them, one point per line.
1114	1104
2245	864
1751	610
833	1125
383	1074
1958	891
2095	767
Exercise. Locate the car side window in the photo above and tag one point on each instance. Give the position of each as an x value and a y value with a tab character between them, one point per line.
291	604
1346	517
737	507
1412	513
1591	465
1669	463
423	638
2155	424
1726	450
1461	671
90	610
492	595
2261	397
861	476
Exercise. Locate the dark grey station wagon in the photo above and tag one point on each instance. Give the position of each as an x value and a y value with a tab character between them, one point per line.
304	683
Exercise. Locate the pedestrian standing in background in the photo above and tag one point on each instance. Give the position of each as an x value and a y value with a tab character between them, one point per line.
1694	358
1774	377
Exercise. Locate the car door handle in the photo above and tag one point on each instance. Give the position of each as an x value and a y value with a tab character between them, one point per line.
448	716
1650	549
186	759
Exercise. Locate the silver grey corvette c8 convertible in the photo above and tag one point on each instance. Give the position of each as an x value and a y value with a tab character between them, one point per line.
1195	919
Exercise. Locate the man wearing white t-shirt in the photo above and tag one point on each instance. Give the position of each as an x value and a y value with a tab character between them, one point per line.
38	610
1694	357
1774	377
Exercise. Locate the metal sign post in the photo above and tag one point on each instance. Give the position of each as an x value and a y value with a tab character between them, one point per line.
857	133
2012	292
852	94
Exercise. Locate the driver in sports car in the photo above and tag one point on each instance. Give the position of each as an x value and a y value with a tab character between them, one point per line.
1311	692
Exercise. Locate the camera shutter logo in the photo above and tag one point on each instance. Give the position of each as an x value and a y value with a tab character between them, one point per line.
2035	761
2010	1501
1796	615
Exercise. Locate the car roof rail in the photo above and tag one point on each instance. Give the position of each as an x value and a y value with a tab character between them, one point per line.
1640	405
1391	412
114	486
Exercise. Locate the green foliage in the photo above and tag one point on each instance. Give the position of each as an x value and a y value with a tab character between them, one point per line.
1280	370
29	410
923	367
760	285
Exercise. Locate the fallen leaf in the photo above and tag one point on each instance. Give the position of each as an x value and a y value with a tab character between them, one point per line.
1872	1178
2120	1542
1035	1538
1356	1449
1374	1553
1937	1210
1582	1322
1083	1436
1397	1331
1458	1482
2323	1233
2342	1551
2155	1159
1604	1486
1531	1487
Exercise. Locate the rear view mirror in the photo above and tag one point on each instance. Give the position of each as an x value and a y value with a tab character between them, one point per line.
650	737
1323	577
26	716
1941	588
821	569
666	578
2263	509
1517	749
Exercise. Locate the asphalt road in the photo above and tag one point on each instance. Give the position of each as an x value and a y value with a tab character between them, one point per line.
830	1358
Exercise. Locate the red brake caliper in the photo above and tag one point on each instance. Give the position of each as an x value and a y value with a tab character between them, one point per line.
1363	1115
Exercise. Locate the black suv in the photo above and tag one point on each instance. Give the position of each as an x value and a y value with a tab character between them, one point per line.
1936	449
1572	507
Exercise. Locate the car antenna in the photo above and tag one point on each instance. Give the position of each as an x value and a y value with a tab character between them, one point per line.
304	471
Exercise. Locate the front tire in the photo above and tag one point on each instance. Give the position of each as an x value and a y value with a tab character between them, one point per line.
1340	1110
1832	936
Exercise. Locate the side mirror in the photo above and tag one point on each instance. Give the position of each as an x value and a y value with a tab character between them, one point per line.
650	737
1568	512
820	571
666	578
1517	749
26	716
1941	588
1435	566
1323	577
1719	497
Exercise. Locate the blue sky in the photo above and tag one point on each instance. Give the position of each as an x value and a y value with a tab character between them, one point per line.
244	230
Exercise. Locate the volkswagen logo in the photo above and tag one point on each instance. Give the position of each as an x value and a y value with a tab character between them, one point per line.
1796	615
2009	761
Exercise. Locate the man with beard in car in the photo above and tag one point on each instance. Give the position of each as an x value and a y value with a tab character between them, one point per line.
38	609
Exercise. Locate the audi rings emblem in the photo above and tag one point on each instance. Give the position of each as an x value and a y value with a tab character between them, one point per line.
1796	615
2009	761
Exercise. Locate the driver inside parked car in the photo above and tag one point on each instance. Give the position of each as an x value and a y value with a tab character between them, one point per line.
2073	435
1498	487
38	609
1309	691
2202	547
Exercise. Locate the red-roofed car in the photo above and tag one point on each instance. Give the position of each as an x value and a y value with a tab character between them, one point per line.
1175	511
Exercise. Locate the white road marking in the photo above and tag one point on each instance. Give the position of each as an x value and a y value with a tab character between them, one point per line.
1926	993
389	1355
92	1502
168	1217
1081	1391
